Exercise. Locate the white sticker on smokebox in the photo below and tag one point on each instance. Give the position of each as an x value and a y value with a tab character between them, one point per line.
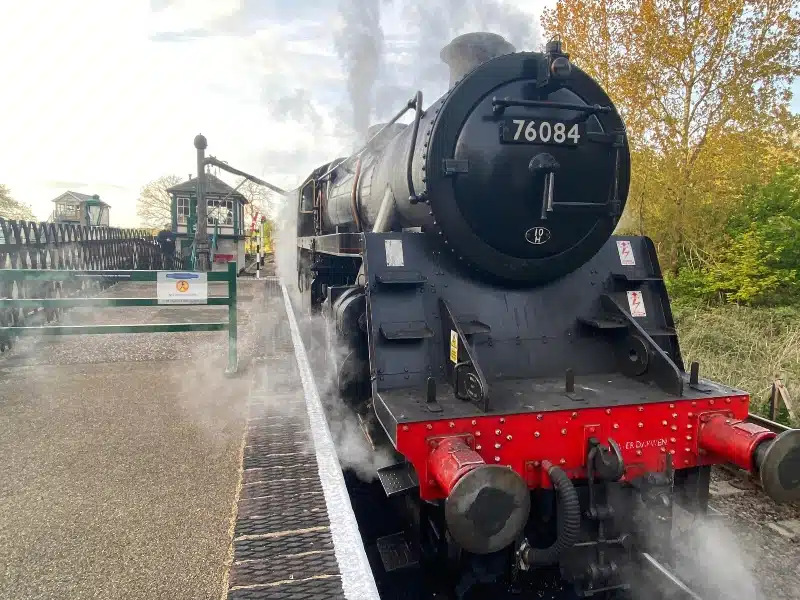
625	252
636	304
394	253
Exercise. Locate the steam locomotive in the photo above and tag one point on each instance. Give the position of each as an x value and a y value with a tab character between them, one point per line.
519	360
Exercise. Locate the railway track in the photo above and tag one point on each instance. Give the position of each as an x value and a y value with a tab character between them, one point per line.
764	422
748	546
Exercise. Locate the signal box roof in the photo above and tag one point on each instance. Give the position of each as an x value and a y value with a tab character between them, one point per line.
214	185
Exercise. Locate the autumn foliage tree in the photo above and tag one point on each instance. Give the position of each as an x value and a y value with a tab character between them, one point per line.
154	206
704	90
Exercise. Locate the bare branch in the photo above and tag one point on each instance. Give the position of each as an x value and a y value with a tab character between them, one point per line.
154	206
13	209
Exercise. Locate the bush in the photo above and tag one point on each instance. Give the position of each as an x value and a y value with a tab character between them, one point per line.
759	262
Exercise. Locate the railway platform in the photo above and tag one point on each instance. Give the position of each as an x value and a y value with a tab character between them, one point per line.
134	467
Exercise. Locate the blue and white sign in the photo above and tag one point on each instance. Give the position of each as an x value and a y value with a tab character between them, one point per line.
182	287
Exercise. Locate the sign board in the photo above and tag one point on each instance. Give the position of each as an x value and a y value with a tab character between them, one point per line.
636	304
182	287
625	253
394	253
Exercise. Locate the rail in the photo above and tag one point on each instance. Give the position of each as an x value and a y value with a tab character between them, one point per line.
181	281
767	423
664	579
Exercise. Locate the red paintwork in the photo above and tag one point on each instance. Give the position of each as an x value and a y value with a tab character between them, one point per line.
734	439
223	257
450	460
645	434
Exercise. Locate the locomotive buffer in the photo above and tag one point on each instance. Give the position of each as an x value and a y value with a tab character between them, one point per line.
295	534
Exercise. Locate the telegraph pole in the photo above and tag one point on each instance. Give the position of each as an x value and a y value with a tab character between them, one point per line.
201	233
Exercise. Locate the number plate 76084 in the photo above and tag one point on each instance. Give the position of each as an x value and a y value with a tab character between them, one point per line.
541	131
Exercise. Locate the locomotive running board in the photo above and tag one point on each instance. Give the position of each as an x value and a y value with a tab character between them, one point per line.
336	244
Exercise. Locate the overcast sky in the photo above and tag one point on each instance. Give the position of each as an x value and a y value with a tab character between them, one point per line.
102	96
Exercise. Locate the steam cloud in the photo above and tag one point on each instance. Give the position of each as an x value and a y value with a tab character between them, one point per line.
296	106
352	447
359	44
437	22
713	561
379	76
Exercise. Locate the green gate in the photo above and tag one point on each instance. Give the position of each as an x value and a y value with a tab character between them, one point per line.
179	277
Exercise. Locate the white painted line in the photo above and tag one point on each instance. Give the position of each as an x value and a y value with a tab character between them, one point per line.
358	582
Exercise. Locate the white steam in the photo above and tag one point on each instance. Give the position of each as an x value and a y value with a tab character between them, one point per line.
714	562
389	49
359	44
352	447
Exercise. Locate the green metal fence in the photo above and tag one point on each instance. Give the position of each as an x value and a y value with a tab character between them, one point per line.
179	278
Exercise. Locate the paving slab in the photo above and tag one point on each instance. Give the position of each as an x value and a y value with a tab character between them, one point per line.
120	454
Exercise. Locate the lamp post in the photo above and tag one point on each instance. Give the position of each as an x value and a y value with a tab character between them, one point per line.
94	211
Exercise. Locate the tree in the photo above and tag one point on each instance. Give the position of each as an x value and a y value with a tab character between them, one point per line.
154	206
261	203
703	87
13	209
260	200
759	262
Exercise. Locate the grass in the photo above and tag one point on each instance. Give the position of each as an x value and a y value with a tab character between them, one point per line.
744	347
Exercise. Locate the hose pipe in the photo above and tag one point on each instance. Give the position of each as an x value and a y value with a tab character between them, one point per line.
569	521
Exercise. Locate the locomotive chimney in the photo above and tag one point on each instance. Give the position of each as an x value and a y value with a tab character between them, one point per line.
470	50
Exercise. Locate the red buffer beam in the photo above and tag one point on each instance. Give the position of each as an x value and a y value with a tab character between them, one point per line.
694	432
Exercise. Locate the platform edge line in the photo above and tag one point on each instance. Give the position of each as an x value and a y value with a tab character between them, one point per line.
358	582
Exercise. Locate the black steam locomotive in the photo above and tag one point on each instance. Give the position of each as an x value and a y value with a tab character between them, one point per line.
519	360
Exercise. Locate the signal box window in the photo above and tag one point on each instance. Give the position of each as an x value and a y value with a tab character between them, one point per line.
183	210
220	211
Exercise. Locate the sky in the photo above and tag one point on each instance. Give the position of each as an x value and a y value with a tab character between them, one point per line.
102	96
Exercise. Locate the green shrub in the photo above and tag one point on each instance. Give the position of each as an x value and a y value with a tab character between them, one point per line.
759	261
